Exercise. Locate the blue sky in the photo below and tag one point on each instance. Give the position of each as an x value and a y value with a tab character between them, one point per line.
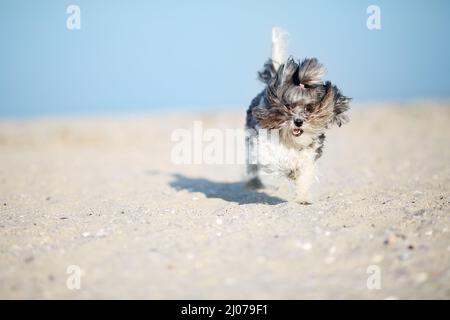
143	56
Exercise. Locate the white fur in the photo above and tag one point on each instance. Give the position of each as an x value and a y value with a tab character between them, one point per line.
276	158
306	176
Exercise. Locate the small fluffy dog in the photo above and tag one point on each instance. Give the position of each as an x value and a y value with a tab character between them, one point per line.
294	109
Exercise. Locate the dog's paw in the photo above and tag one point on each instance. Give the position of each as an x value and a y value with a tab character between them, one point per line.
254	184
303	199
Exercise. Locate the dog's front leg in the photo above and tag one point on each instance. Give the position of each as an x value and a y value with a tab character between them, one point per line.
305	178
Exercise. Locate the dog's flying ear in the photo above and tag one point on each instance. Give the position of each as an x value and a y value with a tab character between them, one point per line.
289	72
311	72
267	72
341	105
284	73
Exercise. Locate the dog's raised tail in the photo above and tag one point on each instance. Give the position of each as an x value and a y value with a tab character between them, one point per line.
280	38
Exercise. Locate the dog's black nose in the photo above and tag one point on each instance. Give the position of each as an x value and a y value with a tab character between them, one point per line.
298	122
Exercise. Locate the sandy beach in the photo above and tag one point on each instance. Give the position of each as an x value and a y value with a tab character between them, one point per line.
102	194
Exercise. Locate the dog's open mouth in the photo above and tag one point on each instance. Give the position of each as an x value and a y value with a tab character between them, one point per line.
297	131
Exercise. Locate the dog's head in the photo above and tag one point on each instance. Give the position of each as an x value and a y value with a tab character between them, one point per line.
298	101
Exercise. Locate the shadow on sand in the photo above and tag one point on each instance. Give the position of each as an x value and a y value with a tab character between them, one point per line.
228	191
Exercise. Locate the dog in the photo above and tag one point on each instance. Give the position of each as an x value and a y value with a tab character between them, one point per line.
294	110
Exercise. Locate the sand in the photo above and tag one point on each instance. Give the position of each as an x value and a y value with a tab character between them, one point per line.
103	195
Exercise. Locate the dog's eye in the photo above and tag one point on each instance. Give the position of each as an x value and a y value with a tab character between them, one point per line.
309	108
